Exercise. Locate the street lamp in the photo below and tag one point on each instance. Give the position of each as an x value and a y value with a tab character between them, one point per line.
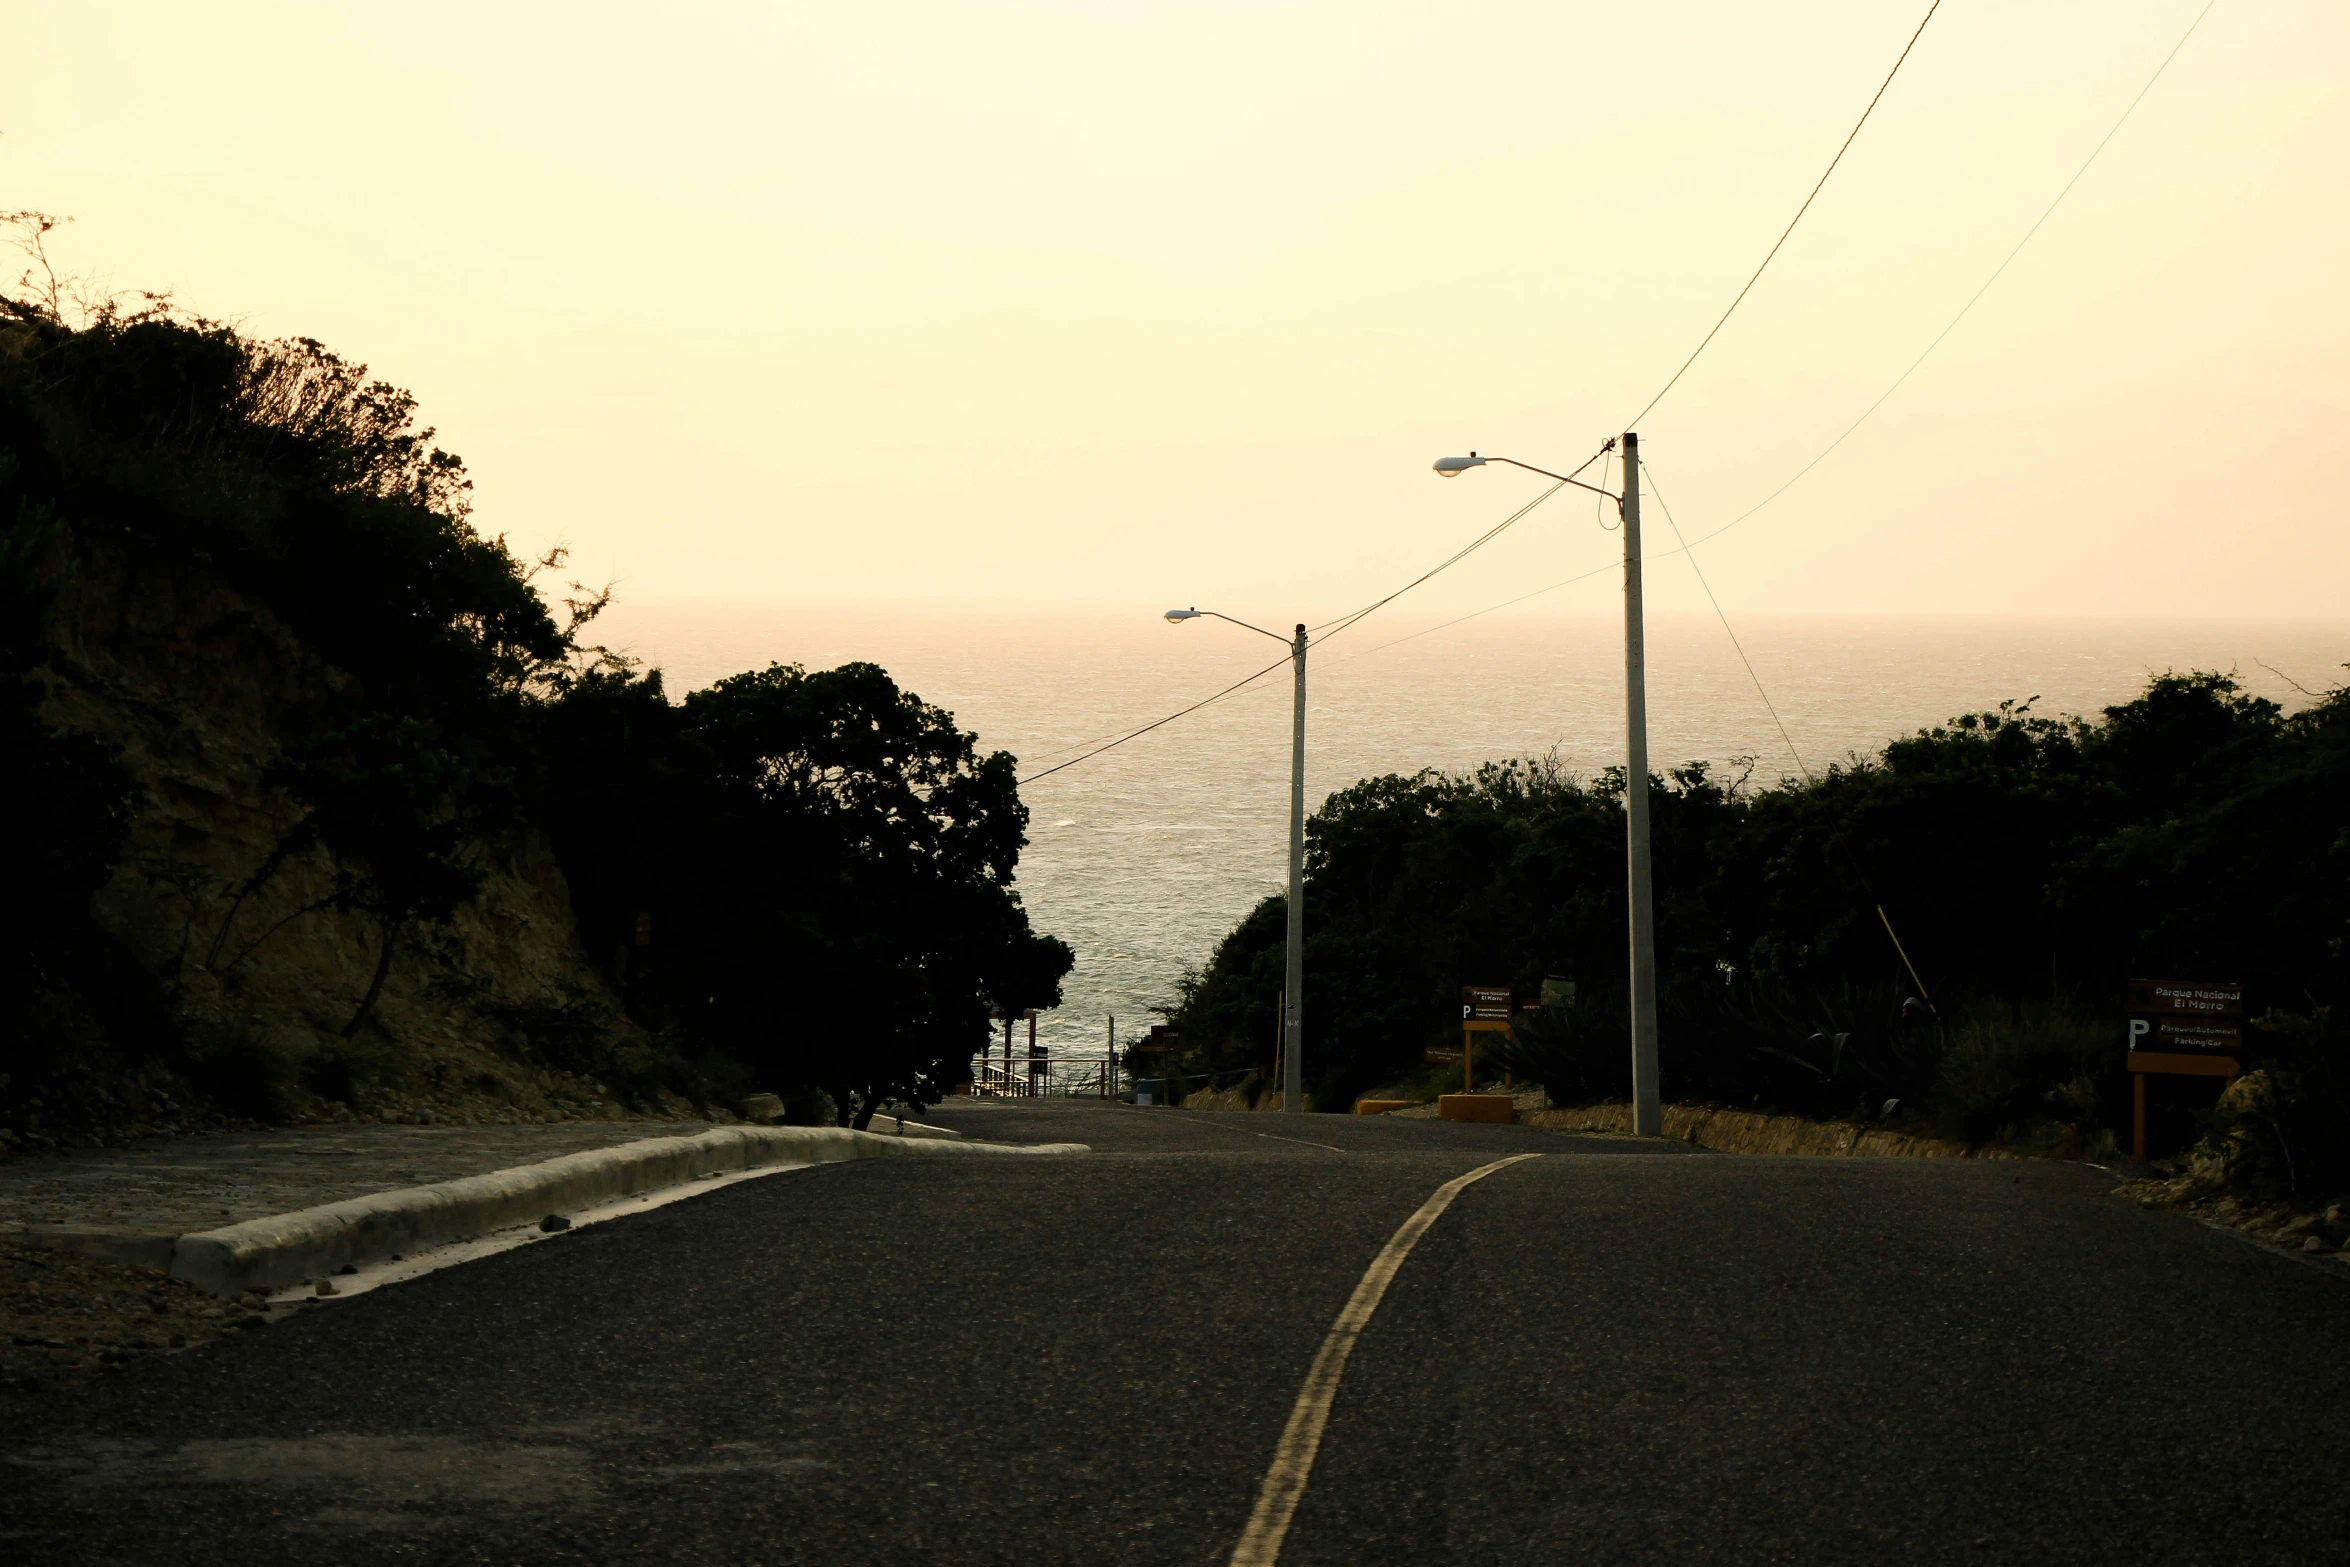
1647	1103
1294	986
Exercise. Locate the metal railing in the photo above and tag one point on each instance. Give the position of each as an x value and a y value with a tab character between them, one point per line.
1045	1077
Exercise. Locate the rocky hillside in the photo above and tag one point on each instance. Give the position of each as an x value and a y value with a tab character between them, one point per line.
326	806
196	686
263	689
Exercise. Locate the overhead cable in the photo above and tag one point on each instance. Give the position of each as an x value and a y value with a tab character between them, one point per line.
1170	718
1341	623
1454	559
1474	614
1898	381
1791	222
1996	272
1687	545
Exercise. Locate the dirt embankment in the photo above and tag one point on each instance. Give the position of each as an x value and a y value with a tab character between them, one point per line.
1747	1131
247	976
70	1318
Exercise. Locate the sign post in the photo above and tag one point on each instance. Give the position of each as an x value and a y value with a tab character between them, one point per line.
1484	1009
2188	1028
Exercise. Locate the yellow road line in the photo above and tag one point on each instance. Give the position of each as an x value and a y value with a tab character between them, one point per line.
1301	1439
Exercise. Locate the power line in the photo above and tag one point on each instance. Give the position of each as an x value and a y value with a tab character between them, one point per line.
1791	222
1898	381
1341	623
1687	545
1159	723
1474	614
1454	559
1331	628
1677	374
1996	273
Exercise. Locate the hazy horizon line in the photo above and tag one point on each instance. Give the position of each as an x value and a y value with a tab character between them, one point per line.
1144	611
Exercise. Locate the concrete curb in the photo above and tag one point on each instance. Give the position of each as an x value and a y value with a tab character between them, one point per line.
313	1242
899	1126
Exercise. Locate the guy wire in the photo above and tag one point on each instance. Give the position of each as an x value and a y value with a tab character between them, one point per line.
1773	708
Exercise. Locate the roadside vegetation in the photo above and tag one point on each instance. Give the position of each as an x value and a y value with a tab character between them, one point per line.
2030	865
794	881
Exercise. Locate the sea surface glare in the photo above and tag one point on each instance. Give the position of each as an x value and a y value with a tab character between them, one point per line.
1142	858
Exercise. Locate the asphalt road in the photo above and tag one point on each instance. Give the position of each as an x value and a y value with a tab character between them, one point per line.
1614	1353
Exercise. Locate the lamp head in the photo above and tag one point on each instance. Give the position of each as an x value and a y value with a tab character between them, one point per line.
1182	614
1452	467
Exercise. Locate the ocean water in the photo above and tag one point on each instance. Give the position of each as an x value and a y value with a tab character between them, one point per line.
1143	857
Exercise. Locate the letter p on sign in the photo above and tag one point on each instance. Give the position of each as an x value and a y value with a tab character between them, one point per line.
2139	1029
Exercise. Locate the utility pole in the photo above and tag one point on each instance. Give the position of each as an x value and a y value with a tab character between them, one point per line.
1293	993
1648	1117
1290	1056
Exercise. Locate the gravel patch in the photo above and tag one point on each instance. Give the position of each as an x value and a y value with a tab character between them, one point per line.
177	1185
65	1319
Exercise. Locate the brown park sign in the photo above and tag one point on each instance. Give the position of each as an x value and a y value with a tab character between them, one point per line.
2183	1036
2178	1027
2185	998
1485	1004
2170	1017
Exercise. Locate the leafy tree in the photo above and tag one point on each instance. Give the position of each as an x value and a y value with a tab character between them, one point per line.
287	471
405	818
824	864
2025	862
826	860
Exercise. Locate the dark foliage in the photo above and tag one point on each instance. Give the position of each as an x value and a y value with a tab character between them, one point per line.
827	861
2026	863
284	470
65	799
809	871
1813	1052
69	785
405	816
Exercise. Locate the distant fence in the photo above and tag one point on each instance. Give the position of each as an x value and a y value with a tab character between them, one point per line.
1045	1077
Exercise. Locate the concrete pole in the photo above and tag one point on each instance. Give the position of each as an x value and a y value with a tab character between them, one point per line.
1293	993
1648	1116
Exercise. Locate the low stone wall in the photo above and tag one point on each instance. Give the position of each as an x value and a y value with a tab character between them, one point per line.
1230	1099
1747	1131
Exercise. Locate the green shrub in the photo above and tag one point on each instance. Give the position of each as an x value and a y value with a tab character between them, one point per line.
1846	1050
2038	1070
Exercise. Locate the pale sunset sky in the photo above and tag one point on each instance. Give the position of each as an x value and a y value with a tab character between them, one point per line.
1111	302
